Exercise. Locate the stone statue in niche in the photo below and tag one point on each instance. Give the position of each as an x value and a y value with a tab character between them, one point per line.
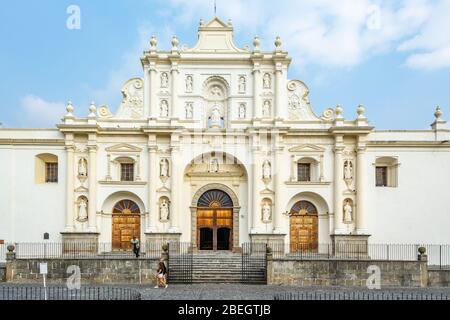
164	80
267	81
189	110
164	210
82	209
348	212
267	171
242	111
82	168
348	173
216	116
266	212
189	84
164	168
164	112
266	109
214	166
242	84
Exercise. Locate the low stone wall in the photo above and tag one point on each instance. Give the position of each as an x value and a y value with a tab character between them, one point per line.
439	278
2	272
93	271
345	273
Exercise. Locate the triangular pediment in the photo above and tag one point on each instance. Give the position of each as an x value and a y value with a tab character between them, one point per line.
216	22
306	148
123	147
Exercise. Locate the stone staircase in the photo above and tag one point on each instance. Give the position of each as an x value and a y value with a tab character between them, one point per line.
216	267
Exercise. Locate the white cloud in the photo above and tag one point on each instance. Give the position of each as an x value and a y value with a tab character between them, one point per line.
38	112
333	33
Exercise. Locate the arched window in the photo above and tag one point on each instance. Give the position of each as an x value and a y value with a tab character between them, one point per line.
46	168
126	207
386	172
304	208
215	199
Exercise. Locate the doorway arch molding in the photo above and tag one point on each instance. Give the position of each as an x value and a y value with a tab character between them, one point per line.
236	211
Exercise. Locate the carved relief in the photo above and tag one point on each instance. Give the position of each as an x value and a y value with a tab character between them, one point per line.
216	116
82	205
189	110
164	109
267	81
266	211
132	105
266	171
214	165
267	109
348	173
242	111
299	107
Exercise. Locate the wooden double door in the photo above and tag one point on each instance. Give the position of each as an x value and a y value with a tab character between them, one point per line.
215	229
304	227
126	223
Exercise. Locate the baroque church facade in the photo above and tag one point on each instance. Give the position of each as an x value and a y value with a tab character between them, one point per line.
214	145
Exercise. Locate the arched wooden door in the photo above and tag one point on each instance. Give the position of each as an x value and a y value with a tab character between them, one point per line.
215	221
126	223
304	227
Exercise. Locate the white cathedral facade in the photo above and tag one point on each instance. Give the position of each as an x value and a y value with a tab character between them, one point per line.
214	145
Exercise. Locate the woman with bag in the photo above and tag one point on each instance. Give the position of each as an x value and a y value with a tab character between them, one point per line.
161	276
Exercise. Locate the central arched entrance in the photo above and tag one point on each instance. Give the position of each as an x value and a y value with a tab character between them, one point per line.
126	223
304	227
215	221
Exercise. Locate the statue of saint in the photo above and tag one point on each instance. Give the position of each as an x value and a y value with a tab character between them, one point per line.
242	111
267	81
216	117
266	109
242	85
164	210
164	109
164	80
267	170
82	170
82	209
266	212
348	170
348	210
214	165
164	168
189	83
189	110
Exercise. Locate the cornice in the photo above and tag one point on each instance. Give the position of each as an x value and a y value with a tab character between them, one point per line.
351	130
47	142
408	144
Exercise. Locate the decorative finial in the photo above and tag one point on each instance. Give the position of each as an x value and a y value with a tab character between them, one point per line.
256	44
360	111
438	113
230	22
339	111
278	43
69	108
153	42
175	43
92	109
202	22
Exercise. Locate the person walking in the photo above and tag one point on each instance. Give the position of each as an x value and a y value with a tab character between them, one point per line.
136	246
161	275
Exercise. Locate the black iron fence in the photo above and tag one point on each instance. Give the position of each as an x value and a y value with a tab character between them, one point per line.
63	293
362	295
254	263
438	255
149	250
180	262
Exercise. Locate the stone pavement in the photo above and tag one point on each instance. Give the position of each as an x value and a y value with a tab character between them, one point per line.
262	292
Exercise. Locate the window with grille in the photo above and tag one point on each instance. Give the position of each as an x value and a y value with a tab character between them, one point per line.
304	171
51	172
127	172
381	177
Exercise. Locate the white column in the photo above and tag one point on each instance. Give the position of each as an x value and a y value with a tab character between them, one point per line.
147	91
175	185
278	93
361	210
256	174
278	185
92	175
152	181
153	97
69	189
257	93
174	94
338	200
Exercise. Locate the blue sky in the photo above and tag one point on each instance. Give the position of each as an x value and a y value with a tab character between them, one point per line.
392	56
